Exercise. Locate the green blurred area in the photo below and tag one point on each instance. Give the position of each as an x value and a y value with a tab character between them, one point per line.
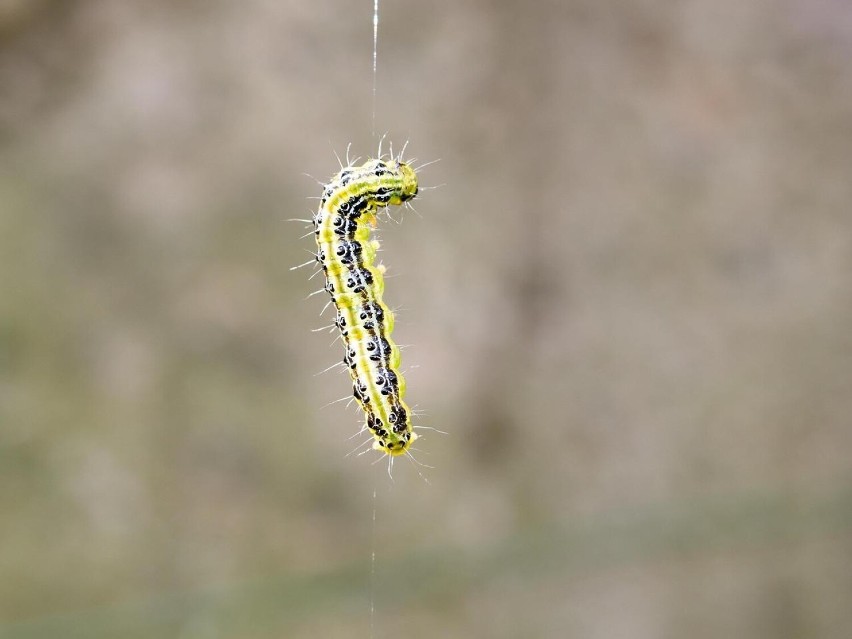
627	303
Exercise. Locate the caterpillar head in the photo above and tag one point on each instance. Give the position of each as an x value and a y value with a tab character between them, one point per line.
407	188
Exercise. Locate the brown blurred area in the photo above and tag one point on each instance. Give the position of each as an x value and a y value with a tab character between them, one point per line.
627	303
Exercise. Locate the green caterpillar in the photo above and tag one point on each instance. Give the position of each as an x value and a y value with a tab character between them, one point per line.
347	210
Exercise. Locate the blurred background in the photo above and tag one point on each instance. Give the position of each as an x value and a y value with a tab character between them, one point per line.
628	302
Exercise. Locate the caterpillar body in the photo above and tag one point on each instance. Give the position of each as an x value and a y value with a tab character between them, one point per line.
348	208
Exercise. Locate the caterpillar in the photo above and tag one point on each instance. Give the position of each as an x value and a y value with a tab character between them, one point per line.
348	208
